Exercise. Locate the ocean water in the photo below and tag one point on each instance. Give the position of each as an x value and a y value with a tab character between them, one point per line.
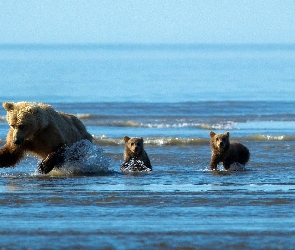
172	96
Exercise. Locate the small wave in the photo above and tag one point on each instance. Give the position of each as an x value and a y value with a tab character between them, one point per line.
178	141
85	116
104	140
228	125
91	161
173	125
3	119
205	126
130	123
115	121
260	137
135	124
127	124
160	141
219	126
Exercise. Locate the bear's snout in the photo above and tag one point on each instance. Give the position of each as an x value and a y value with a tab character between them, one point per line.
221	145
17	141
17	138
135	149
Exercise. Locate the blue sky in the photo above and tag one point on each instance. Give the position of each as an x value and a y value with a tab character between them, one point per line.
147	21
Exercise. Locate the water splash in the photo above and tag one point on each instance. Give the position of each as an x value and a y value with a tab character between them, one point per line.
134	165
237	167
84	158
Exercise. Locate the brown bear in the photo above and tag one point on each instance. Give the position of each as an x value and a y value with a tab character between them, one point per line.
226	152
39	129
135	157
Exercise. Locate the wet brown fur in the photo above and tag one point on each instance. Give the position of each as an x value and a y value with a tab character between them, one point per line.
134	149
40	130
226	152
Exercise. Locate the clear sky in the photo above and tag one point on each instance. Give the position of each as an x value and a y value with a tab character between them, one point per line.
147	21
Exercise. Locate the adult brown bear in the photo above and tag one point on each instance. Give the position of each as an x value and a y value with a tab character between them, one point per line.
39	129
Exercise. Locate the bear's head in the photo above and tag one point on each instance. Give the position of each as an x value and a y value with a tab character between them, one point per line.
134	145
219	142
25	119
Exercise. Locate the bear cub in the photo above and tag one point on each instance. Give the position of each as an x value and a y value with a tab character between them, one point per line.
135	157
226	152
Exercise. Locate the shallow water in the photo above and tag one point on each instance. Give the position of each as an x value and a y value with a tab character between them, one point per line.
180	204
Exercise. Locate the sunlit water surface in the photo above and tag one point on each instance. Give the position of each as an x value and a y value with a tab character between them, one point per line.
188	91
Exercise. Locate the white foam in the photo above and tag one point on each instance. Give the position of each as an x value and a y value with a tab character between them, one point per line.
228	125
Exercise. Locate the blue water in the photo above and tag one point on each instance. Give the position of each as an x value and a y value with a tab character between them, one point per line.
148	73
172	96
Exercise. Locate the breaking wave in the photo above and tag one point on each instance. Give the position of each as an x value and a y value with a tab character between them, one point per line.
218	126
171	141
104	140
85	116
177	141
115	121
261	137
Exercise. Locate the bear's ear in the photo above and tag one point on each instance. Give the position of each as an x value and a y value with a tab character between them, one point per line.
126	138
212	134
8	106
227	134
141	139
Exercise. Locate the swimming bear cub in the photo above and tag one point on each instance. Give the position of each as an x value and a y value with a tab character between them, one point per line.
226	152
135	157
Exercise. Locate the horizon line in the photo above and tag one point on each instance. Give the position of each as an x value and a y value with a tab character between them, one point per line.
142	44
147	46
